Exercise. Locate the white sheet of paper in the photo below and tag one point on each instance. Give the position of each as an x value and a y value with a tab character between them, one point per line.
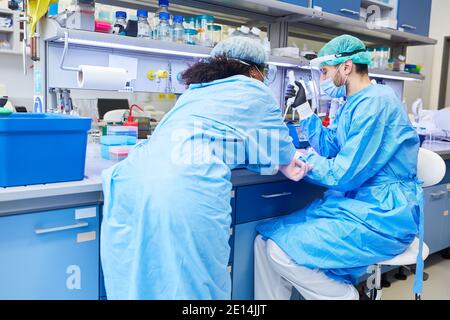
130	64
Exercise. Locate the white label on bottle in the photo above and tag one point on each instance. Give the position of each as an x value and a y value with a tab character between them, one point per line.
85	213
86	236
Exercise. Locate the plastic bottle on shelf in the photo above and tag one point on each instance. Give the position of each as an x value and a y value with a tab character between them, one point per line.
255	33
402	63
234	32
121	23
375	59
245	31
164	30
267	48
216	31
205	33
163	7
385	58
178	29
144	30
390	65
190	36
189	23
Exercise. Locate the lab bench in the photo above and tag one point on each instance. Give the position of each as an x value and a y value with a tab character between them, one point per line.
49	234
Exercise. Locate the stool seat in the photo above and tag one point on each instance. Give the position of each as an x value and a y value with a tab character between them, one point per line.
409	256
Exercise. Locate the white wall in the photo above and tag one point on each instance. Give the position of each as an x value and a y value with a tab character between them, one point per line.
18	86
430	57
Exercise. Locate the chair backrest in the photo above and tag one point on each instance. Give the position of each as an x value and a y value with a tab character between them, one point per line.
430	167
114	115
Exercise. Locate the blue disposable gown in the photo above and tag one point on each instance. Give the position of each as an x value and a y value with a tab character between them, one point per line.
371	212
166	221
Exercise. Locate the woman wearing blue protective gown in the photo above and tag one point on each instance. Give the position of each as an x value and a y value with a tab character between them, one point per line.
166	214
367	159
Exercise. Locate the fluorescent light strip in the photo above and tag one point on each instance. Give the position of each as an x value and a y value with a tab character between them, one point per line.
156	50
282	64
135	48
384	76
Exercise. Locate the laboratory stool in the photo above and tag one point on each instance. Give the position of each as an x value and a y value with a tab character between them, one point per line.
431	170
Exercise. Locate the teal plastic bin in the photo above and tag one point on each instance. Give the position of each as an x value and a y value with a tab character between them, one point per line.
38	148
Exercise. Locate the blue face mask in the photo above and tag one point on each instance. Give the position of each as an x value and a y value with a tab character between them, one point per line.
331	89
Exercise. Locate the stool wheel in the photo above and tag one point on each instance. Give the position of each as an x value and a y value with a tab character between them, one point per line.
384	282
401	275
446	254
425	275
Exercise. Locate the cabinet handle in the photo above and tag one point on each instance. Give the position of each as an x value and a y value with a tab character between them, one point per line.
438	195
56	229
276	195
408	26
350	11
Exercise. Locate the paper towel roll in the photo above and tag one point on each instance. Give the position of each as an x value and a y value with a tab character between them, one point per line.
101	78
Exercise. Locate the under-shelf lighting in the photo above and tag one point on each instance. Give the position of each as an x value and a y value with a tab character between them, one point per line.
133	48
156	50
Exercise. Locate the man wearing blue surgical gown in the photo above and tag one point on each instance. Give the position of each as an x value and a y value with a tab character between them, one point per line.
367	159
167	213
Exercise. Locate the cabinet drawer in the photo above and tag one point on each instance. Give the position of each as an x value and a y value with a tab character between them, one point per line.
346	8
436	216
301	3
414	16
273	199
446	178
50	255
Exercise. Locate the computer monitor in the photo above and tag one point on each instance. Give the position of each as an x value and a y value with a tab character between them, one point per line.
105	105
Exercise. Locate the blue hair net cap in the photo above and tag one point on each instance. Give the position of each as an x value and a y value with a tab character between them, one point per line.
242	48
346	44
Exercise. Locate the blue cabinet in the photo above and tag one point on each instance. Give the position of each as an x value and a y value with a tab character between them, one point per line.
50	255
268	200
102	289
414	16
243	262
446	215
345	8
253	205
437	219
302	3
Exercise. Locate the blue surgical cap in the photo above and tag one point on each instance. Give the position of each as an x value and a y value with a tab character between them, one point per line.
242	48
346	44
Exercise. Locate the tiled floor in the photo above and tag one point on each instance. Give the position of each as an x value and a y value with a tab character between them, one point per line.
437	287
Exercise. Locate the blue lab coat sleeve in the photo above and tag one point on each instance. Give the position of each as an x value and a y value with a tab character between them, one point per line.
321	138
269	144
364	153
